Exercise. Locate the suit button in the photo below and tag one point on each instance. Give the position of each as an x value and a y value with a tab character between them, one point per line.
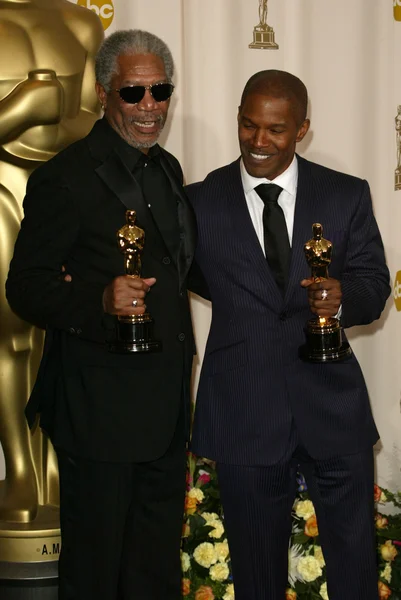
181	337
71	330
166	260
283	316
79	331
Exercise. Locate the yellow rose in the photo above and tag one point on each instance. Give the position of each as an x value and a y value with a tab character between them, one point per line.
381	521
219	572
185	562
204	593
197	494
323	591
205	555
388	551
318	554
304	509
311	529
309	568
386	573
290	594
185	587
384	591
221	550
218	530
229	595
210	517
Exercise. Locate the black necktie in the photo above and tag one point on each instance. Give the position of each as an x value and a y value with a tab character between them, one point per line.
277	246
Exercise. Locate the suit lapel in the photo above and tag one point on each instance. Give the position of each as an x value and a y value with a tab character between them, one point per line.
306	209
186	220
245	231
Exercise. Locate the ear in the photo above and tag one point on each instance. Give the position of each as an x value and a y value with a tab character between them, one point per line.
101	94
303	130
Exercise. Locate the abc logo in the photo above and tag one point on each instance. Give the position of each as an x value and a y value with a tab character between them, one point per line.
397	10
103	8
397	291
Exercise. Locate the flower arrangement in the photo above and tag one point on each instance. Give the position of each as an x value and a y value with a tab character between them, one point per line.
205	554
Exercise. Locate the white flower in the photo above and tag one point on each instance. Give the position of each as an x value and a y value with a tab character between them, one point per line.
219	572
185	562
221	550
229	595
318	554
308	567
218	530
304	509
197	494
294	553
386	573
383	498
205	555
323	591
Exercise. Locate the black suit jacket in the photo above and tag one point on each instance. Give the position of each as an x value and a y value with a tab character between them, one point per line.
93	403
253	384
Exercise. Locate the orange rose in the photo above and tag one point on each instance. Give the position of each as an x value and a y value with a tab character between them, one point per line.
290	594
185	586
377	493
190	505
311	529
381	521
186	530
384	591
204	593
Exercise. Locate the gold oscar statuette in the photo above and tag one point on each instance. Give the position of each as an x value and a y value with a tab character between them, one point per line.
47	101
263	34
324	340
397	174
135	332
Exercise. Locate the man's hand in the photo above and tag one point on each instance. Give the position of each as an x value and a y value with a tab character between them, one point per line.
125	295
324	296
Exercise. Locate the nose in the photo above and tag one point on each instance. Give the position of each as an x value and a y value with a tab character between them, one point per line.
148	102
261	139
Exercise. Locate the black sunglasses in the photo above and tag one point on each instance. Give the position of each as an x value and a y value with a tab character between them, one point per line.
133	94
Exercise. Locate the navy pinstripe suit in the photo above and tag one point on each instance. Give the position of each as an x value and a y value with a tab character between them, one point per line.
257	401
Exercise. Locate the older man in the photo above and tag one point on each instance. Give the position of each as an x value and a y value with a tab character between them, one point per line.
261	410
117	421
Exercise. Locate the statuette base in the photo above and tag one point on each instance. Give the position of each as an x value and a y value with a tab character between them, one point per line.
263	38
135	334
324	342
397	182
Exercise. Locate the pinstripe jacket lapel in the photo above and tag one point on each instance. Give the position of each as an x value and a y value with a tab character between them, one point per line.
245	231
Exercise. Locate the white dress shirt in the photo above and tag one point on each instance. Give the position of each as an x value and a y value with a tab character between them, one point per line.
288	180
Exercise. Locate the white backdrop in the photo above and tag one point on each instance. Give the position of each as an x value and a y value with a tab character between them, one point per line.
347	55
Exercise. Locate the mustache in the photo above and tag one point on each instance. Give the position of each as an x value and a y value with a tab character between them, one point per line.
146	117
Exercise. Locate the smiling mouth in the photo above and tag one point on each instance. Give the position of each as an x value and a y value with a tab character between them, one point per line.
146	124
260	157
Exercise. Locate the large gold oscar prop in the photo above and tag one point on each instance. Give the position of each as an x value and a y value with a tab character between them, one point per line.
324	342
263	34
47	101
397	173
134	332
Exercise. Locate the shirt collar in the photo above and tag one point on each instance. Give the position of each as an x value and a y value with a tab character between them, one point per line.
130	155
287	180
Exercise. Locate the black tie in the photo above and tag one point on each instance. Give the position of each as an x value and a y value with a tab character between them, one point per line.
277	246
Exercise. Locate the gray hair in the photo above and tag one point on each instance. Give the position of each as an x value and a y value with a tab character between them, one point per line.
130	41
